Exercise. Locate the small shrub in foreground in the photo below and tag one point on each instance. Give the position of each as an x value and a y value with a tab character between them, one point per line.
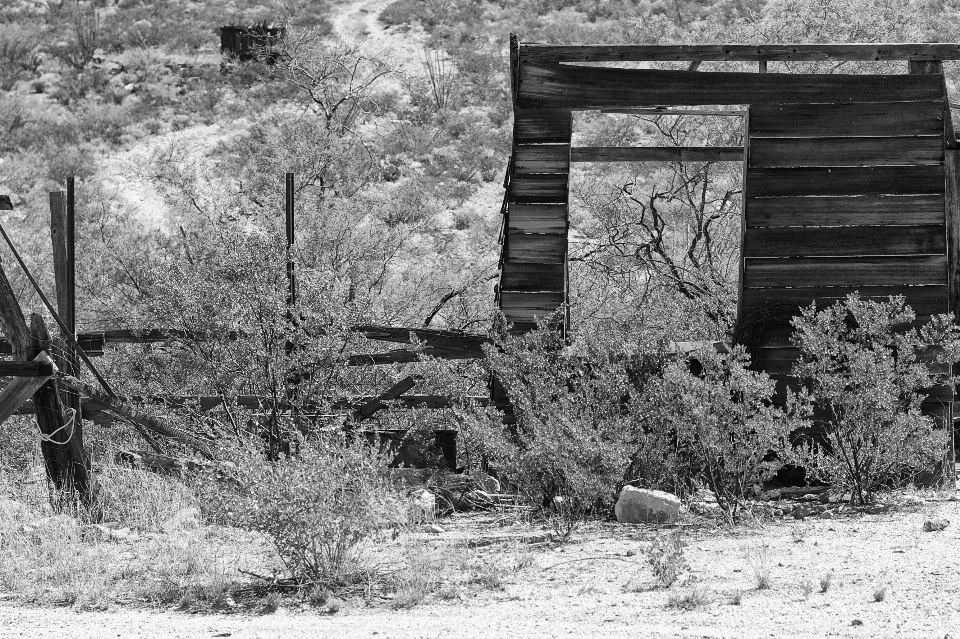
665	556
318	509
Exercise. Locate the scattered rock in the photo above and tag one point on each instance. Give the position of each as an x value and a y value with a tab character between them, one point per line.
705	508
811	497
912	500
934	525
798	514
825	497
642	506
877	509
777	512
826	515
184	519
856	622
704	495
434	529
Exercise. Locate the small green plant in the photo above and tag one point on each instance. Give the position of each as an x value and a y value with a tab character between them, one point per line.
665	556
692	600
271	603
736	598
825	582
759	560
879	594
806	588
486	574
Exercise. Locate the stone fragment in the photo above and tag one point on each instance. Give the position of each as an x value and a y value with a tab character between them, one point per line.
704	495
642	506
777	512
912	500
934	525
434	529
486	483
826	515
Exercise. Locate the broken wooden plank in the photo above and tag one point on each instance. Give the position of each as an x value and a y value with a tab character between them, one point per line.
12	323
370	408
21	390
536	248
130	413
538	218
924	300
35	368
533	277
531	159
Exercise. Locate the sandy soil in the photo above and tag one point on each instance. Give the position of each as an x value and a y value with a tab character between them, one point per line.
598	584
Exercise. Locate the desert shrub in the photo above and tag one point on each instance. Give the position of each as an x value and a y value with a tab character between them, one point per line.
727	431
318	509
571	438
865	368
665	557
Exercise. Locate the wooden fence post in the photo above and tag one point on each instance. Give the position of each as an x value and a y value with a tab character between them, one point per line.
63	237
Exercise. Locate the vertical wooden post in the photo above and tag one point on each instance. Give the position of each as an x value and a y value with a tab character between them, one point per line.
952	220
291	274
762	66
952	196
63	238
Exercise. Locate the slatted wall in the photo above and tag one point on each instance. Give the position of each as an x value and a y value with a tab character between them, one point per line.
533	281
842	197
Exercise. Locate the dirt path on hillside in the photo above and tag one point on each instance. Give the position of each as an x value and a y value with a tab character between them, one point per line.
599	584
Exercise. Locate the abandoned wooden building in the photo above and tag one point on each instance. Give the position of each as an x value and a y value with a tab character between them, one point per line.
850	181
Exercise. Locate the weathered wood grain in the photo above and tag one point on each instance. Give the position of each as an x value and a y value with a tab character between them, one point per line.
542	125
532	277
541	158
34	368
845	211
543	304
544	189
805	120
581	87
536	52
844	241
925	300
536	248
880	180
538	218
657	154
12	323
953	229
845	271
22	389
873	151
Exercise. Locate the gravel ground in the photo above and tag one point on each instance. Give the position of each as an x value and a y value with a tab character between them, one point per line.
599	584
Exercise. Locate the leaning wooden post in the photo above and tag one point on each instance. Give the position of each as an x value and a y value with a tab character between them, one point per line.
62	440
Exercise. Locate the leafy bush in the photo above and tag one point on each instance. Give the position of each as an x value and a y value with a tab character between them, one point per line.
665	556
728	433
571	438
865	368
318	509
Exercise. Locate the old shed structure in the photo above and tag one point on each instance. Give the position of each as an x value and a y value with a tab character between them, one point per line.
850	181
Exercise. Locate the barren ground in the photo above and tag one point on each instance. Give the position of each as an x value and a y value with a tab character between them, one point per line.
598	584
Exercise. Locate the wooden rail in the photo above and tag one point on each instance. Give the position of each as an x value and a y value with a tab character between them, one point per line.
535	52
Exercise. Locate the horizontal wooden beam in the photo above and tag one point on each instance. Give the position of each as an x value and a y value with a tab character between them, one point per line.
580	87
657	154
468	343
36	368
844	271
21	389
890	210
674	112
737	52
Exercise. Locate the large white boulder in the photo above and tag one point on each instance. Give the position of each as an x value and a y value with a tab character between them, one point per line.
642	506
